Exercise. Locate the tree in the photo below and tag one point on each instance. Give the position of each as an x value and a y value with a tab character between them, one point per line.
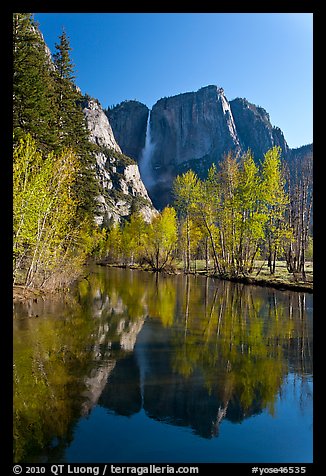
299	177
34	105
113	243
70	121
138	230
251	216
54	168
207	207
275	201
185	190
228	216
47	240
47	104
71	126
162	239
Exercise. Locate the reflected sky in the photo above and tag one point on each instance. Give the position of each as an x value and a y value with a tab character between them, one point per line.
137	367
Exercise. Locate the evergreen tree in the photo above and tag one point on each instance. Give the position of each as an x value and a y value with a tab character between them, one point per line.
34	102
71	126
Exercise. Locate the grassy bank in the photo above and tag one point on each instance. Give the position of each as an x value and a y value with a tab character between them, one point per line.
282	279
260	276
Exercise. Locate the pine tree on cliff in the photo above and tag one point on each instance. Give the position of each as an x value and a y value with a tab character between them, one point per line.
46	103
70	125
34	109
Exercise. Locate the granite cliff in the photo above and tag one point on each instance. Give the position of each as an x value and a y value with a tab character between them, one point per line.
128	121
121	188
192	130
186	130
255	129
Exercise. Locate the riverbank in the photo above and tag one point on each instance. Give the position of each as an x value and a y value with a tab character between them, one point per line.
21	293
261	276
282	279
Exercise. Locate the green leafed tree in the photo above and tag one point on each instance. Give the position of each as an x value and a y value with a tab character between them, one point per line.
228	216
251	217
162	239
113	247
186	192
275	201
207	208
48	245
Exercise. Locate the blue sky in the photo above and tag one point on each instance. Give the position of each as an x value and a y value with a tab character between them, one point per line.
264	57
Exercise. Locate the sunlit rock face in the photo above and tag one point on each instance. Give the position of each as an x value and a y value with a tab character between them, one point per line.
98	124
191	126
120	184
191	131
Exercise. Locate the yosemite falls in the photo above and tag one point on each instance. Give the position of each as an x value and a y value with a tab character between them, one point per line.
145	164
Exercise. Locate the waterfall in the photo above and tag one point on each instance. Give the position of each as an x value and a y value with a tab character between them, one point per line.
229	117
145	165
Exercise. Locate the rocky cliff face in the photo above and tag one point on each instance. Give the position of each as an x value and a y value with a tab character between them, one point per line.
100	128
128	121
193	130
192	126
121	187
300	153
255	130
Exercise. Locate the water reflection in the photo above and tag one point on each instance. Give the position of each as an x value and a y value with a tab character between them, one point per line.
189	351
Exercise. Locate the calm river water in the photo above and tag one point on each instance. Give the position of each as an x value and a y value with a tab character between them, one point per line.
137	367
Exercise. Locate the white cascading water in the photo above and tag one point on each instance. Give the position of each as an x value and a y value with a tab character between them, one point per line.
145	165
229	118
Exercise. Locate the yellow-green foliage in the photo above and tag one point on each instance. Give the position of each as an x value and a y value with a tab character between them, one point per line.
240	208
162	239
49	243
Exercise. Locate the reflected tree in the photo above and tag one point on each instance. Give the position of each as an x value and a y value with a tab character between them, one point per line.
209	350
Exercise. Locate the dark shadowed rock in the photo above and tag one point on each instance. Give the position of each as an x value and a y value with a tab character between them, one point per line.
255	129
128	121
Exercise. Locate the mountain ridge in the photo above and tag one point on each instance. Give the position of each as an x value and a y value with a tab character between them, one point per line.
193	130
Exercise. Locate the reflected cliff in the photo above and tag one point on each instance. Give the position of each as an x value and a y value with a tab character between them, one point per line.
188	351
214	352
